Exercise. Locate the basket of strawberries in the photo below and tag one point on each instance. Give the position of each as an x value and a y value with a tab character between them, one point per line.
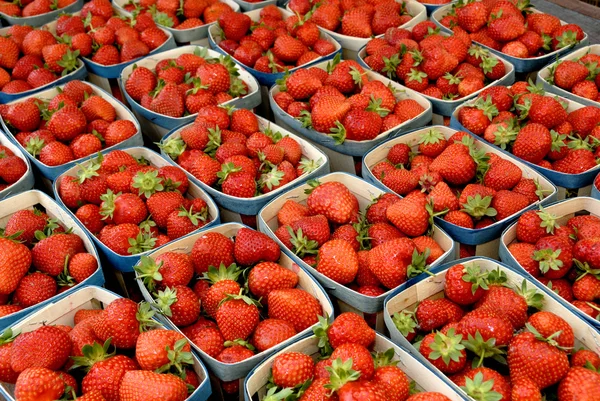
36	12
114	41
490	331
152	86
446	69
32	60
203	273
526	37
132	201
188	21
95	345
346	359
557	246
64	125
348	109
244	163
574	76
268	43
353	23
494	188
46	255
377	240
16	174
562	132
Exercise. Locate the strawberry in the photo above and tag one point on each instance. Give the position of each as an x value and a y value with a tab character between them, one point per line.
234	353
46	347
38	383
271	332
568	73
333	200
431	314
295	306
111	323
444	351
234	25
268	276
465	285
338	261
533	225
168	100
209	340
484	380
162	204
472	16
50	253
237	317
302	84
165	341
24	223
532	133
163	386
291	369
409	216
389	261
35	288
223	282
361	358
180	304
507	203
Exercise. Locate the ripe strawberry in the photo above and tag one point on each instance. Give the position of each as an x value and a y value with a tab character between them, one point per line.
465	285
209	340
46	347
168	101
81	266
38	383
237	317
163	386
180	304
268	276
24	223
271	332
333	200
472	17
295	306
302	84
111	323
35	288
152	348
223	282
338	261
444	351
532	133
409	216
291	369
389	261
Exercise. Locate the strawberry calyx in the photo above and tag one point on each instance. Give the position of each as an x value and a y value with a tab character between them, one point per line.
242	297
143	242
483	349
432	213
214	141
416	75
385	358
149	272
312	185
178	359
549	259
194	217
333	63
164	299
405	322
196	86
505	136
239	341
281	82
148	183
481	390
305	118
214	275
548	220
558	141
446	346
418	264
375	106
496	277
593	69
478	207
431	137
275	136
583	269
34	146
146	225
89	171
533	298
577	142
362	228
550	339
488	63
68	62
476	276
92	354
390	65
276	394
340	373
272	178
487	106
226	170
309	165
567	39
338	133
64	279
9	335
302	245
320	331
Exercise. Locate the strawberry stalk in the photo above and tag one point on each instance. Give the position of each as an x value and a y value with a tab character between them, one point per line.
483	349
481	390
148	271
178	359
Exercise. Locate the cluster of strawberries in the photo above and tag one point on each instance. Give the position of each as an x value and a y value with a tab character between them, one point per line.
40	259
30	8
12	167
580	77
342	102
440	66
483	335
237	156
232	300
187	84
75	123
107	38
355	18
564	257
346	368
31	58
116	353
512	27
132	206
369	254
535	127
186	14
491	188
272	44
